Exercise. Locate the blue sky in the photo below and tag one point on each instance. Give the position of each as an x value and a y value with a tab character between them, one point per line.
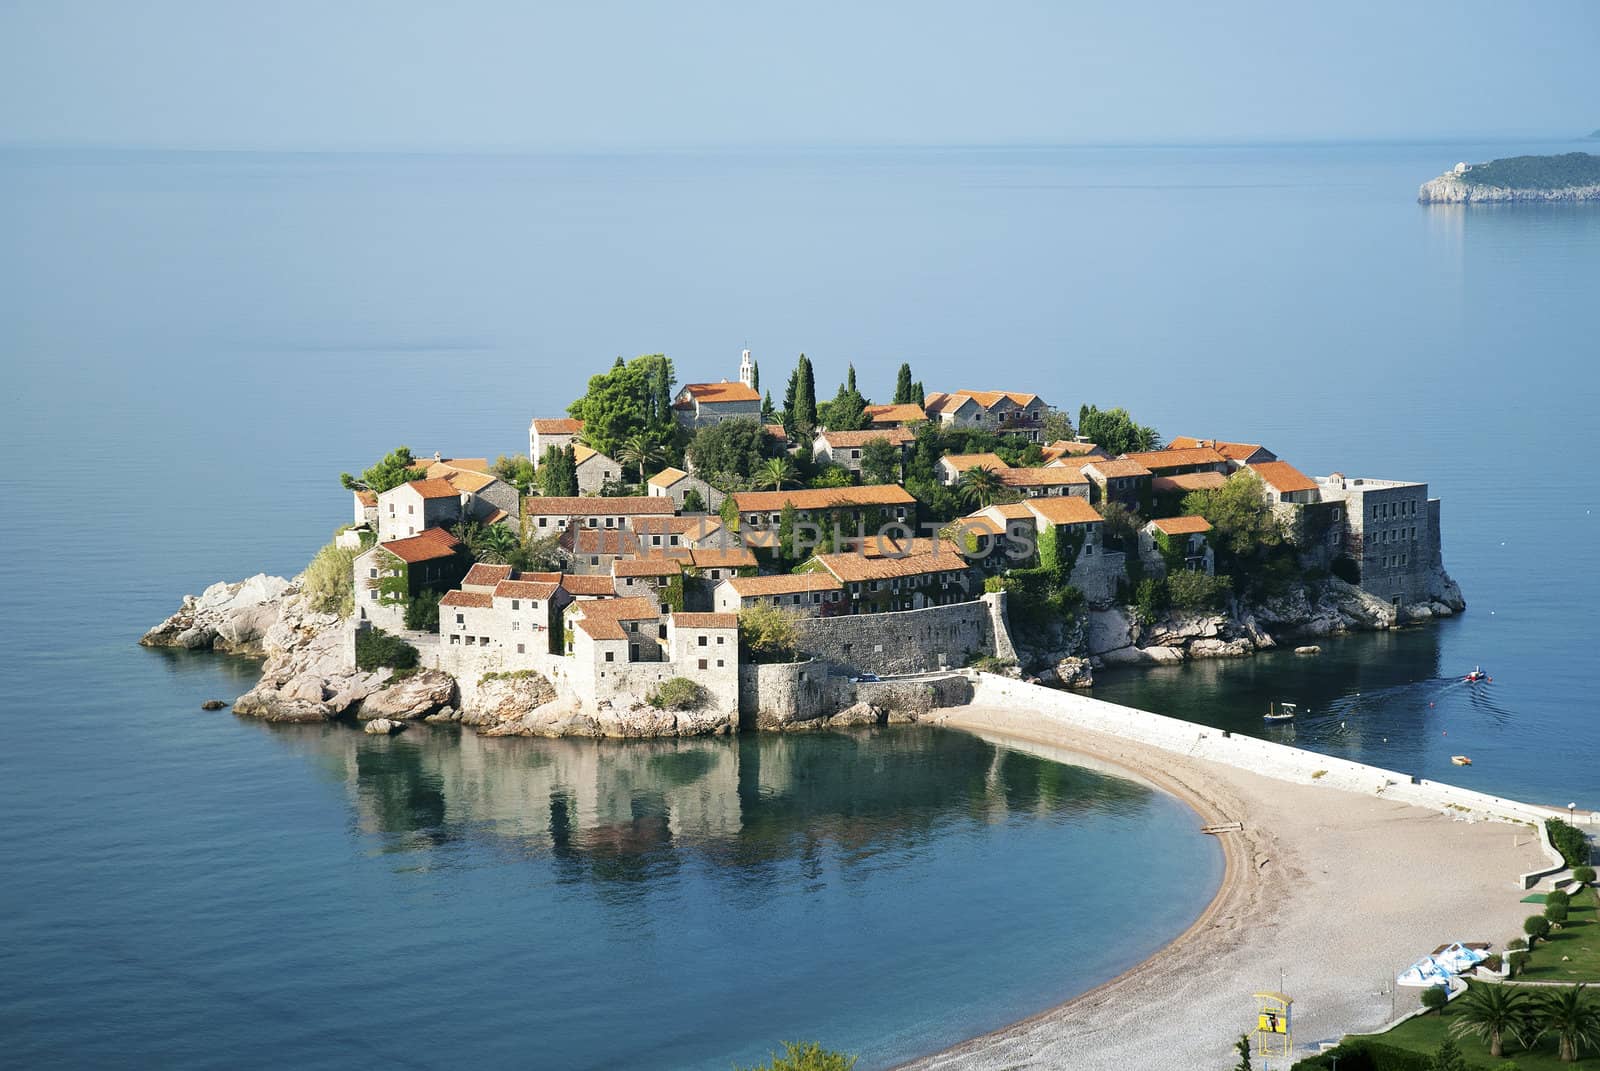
508	75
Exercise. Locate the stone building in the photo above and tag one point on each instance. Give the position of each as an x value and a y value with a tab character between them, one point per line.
551	516
1046	482
594	469
1390	536
1284	484
543	433
433	559
1238	454
1004	412
884	584
700	405
1169	543
415	506
805	592
675	484
1168	492
845	448
1170	462
1119	480
593	550
904	415
521	617
951	467
851	508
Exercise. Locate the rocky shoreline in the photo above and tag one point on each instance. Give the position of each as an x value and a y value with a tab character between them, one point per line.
1449	189
309	672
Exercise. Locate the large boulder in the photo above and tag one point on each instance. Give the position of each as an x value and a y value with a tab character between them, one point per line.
858	714
233	617
383	727
1110	630
310	672
411	698
1074	673
496	701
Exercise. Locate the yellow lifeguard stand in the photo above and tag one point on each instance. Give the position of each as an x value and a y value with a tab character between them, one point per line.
1273	1032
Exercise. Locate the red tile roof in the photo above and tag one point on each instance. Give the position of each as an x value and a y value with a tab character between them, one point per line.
722	558
713	393
1189	481
906	413
1156	460
557	426
1231	451
883	494
366	498
1182	525
1063	509
1115	468
632	567
691	526
599	540
485	575
854	568
1071	448
600	618
667	477
1052	476
524	589
429	545
894	436
433	488
599	586
705	620
963	462
749	587
480	600
1283	477
629	505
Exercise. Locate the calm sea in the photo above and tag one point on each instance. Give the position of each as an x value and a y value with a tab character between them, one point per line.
196	344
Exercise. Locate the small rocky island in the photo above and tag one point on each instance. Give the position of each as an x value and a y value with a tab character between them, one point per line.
1573	176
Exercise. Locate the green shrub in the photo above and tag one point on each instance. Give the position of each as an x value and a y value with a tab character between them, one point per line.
1364	1054
1517	943
991	664
677	693
1194	590
1584	874
1435	997
422	611
1535	926
1558	896
1518	961
329	581
1569	841
807	1057
769	633
376	648
1556	913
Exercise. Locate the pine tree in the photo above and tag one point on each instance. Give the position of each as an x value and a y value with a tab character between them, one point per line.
768	414
902	386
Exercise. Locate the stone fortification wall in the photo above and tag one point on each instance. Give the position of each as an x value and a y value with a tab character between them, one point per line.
907	641
1249	753
773	696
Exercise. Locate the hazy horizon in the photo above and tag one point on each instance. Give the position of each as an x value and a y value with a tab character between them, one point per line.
498	76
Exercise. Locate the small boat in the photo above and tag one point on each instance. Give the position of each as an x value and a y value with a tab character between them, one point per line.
1476	675
1461	760
1279	713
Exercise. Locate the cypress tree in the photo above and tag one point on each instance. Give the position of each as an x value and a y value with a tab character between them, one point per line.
917	393
755	377
850	379
902	386
805	399
790	394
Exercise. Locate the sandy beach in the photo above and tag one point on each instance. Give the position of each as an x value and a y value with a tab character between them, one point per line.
1336	889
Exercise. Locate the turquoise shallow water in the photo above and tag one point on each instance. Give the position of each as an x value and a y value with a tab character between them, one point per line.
196	343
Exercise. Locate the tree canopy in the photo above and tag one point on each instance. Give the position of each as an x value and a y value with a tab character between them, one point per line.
880	461
558	472
1114	431
1240	514
391	470
632	399
732	447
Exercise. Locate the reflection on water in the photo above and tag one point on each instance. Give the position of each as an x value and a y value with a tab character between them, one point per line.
615	811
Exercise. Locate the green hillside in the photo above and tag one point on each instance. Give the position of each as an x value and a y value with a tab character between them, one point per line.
1537	172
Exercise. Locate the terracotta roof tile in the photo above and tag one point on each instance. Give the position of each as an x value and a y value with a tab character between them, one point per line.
467	480
1059	476
1283	477
713	393
1064	509
990	398
963	462
630	505
557	426
848	439
480	600
853	568
485	575
366	498
1070	448
722	558
428	545
1188	481
1156	460
599	586
884	494
599	540
907	413
667	477
1182	525
600	618
433	488
705	620
524	589
1116	468
693	525
634	567
1231	451
748	587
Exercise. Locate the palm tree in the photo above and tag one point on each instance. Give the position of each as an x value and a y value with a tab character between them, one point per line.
1490	1012
979	485
776	473
639	452
1572	1018
497	544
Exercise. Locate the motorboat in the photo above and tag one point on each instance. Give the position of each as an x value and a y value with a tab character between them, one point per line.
1476	675
1461	760
1279	713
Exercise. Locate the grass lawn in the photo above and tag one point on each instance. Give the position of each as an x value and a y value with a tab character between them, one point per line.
1425	1033
1578	940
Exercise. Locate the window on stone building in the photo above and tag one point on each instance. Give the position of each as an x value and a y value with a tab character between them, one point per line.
522	648
516	626
515	604
611	656
702	663
461	619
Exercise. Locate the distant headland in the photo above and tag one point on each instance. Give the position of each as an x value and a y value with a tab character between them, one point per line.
1573	176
